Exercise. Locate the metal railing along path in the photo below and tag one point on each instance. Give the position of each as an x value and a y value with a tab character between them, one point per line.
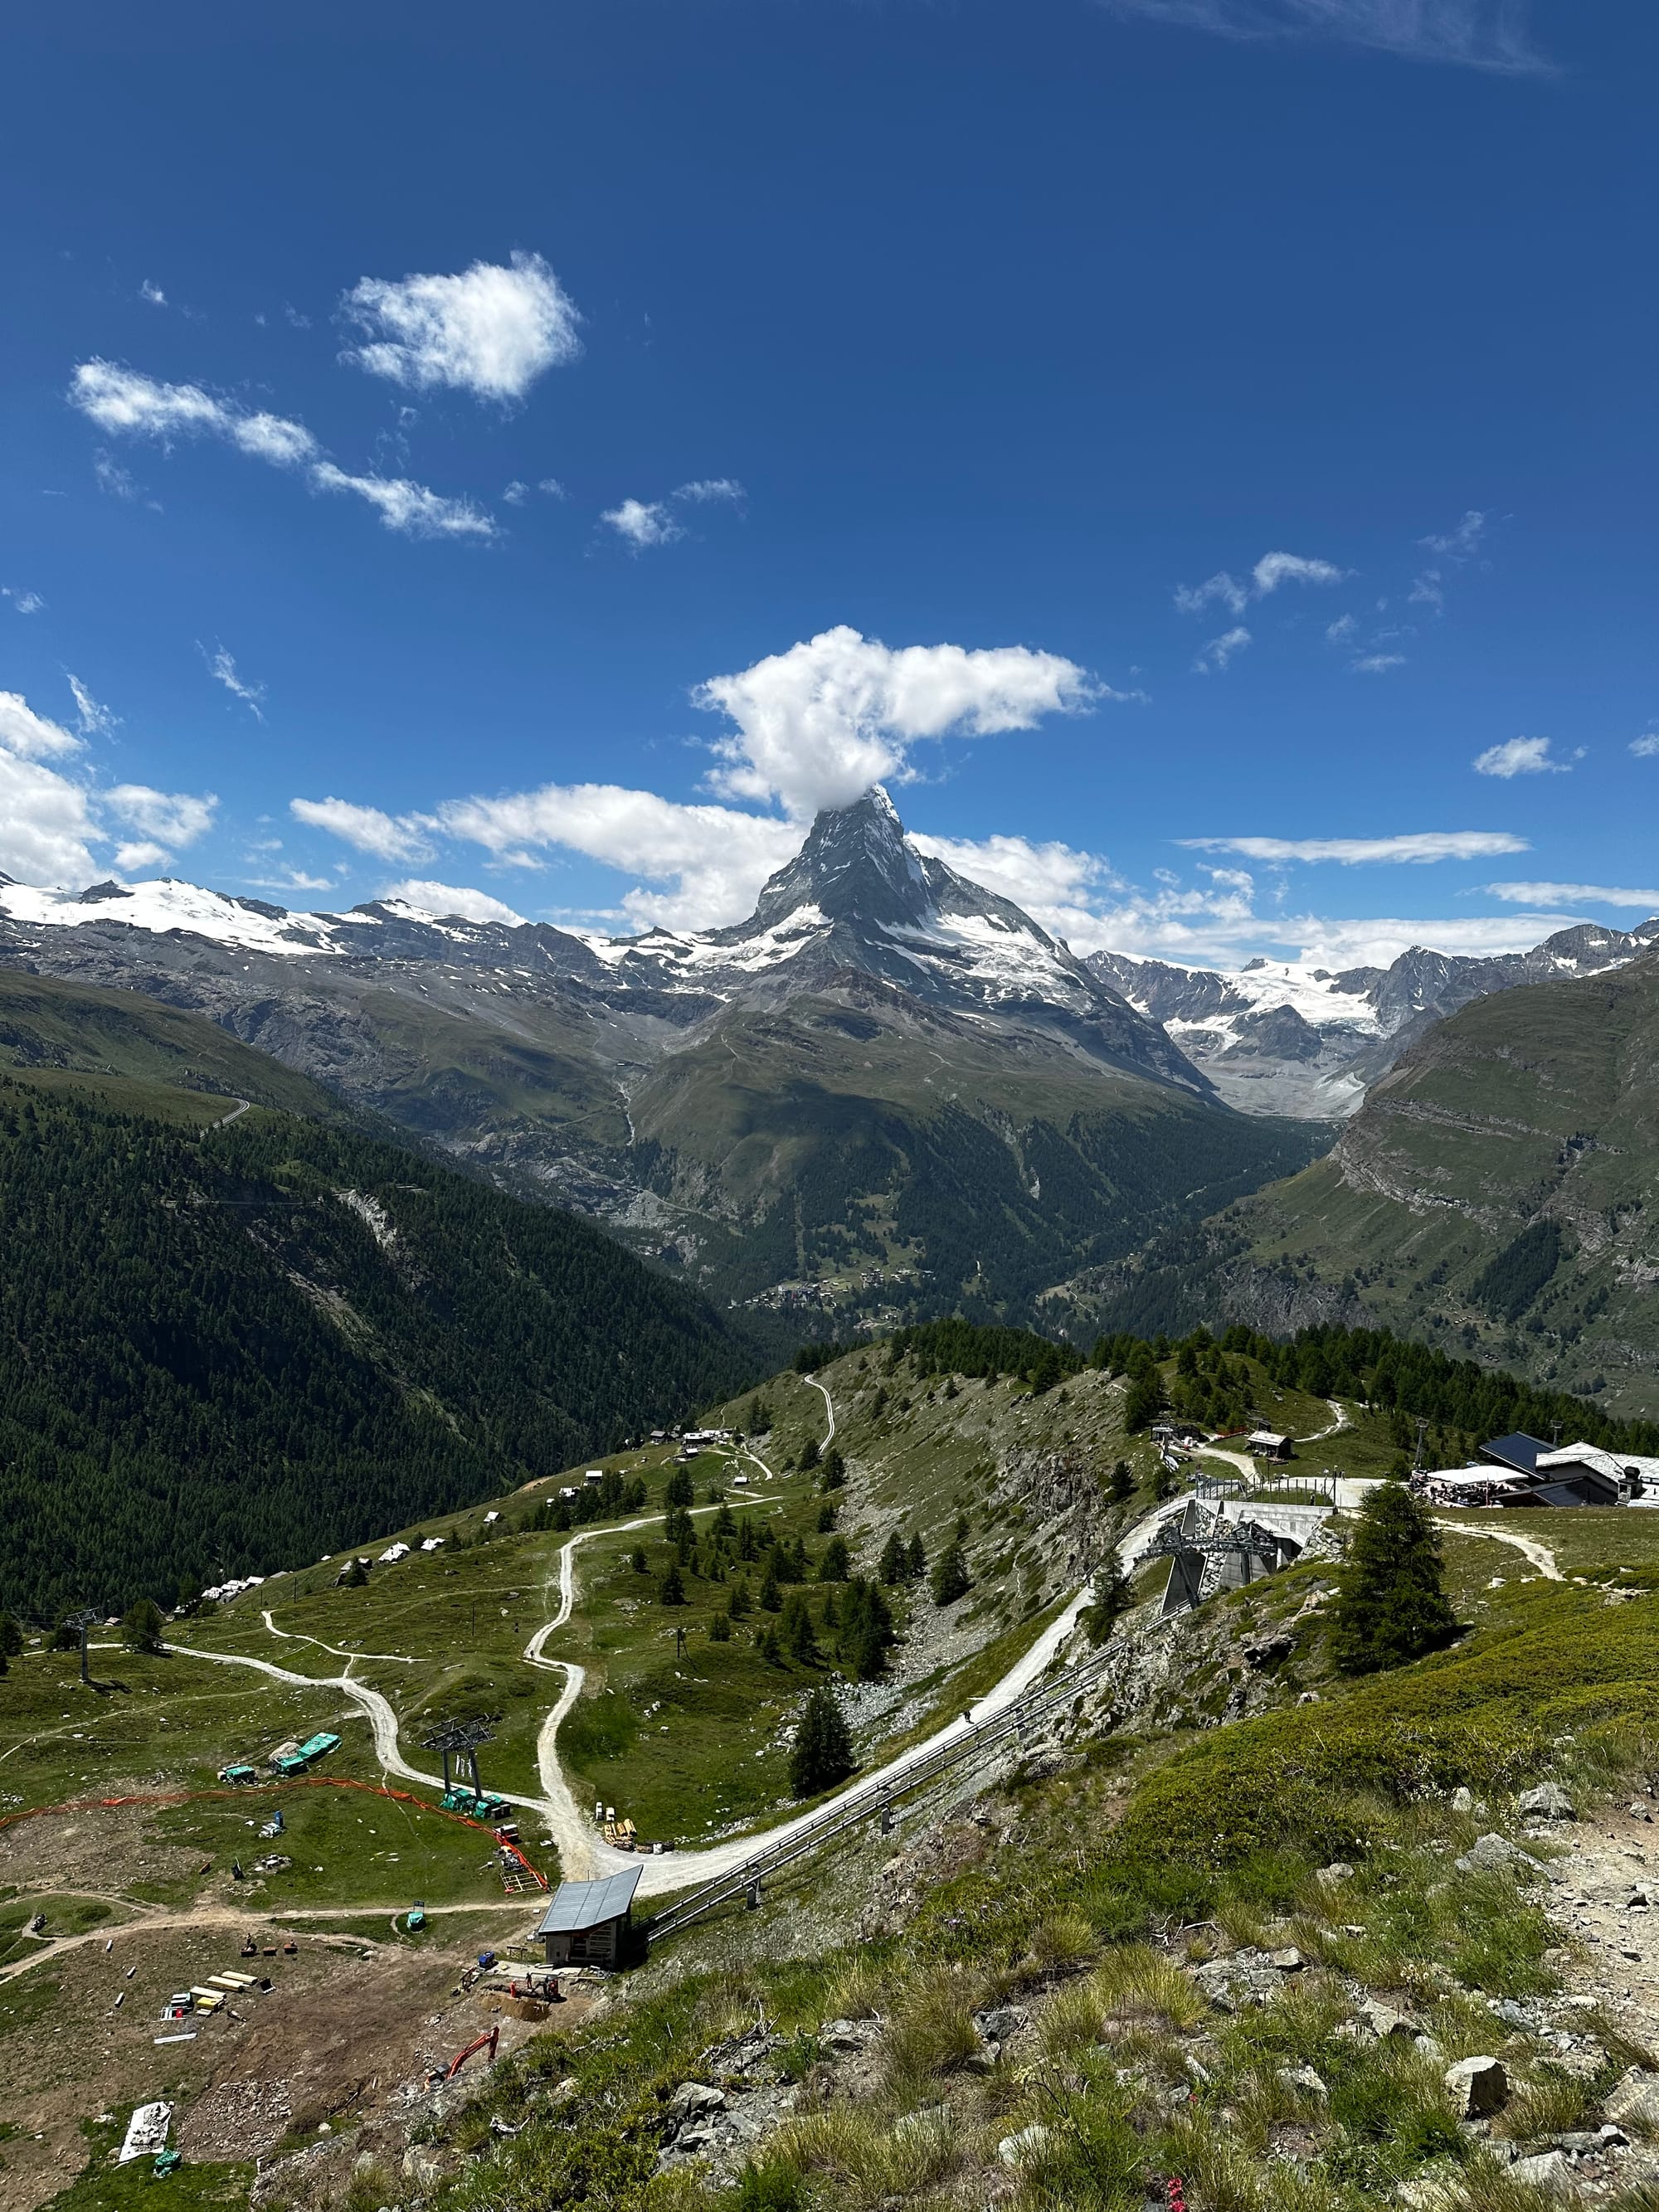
978	1740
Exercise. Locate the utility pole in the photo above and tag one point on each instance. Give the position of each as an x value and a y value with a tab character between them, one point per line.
83	1621
1422	1430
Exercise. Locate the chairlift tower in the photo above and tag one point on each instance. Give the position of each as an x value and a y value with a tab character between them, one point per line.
445	1739
87	1617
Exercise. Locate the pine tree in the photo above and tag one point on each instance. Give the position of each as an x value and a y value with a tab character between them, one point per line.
895	1566
917	1562
720	1629
951	1578
1146	1401
637	1560
679	1492
670	1590
809	1455
1123	1486
837	1563
11	1637
771	1596
1392	1604
765	1642
1113	1595
826	1516
796	1632
823	1752
356	1575
739	1601
142	1624
835	1470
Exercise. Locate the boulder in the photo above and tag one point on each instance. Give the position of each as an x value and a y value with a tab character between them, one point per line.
1634	2096
1383	2020
1003	2021
1303	2079
1496	1854
1287	1961
1478	2087
1338	1870
1463	1800
849	2034
1550	2171
1549	1802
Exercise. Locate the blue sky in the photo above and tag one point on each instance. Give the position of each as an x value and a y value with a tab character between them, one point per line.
1169	440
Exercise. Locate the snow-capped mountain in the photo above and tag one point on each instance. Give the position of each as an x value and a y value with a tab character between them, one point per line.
1284	1037
887	1076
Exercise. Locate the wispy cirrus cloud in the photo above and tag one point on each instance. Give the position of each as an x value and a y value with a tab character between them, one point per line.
1483	35
1573	895
1523	756
94	719
1646	747
1211	659
125	404
1272	569
491	331
1416	848
23	603
1463	543
222	667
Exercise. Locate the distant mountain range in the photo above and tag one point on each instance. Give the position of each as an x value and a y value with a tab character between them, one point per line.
1280	1037
888	1091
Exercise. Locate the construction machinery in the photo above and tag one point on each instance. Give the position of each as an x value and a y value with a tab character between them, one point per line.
305	1754
238	1771
477	1804
488	2041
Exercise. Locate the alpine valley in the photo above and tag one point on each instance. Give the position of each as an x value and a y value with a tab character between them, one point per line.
888	1091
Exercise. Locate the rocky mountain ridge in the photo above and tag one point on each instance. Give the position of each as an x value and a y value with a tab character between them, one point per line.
1283	1037
853	1095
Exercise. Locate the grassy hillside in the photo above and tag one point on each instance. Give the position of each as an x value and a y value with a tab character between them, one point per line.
1493	1197
903	1163
224	1349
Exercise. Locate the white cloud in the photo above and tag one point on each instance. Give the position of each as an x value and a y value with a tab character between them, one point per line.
1376	664
442	900
95	720
112	477
643	522
24	603
1646	747
122	401
1573	895
389	837
46	823
492	331
410	508
1416	846
1427	590
1214	656
818	725
29	735
1374	941
706	489
1486	34
515	492
129	859
552	487
170	818
1461	543
1341	631
1056	884
153	293
709	862
1272	570
222	669
1520	756
291	880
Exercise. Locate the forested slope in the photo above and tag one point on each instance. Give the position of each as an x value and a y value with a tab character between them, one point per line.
225	1351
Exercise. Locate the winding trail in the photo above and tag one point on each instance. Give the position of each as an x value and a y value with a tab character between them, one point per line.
293	1636
830	1406
584	1854
1540	1554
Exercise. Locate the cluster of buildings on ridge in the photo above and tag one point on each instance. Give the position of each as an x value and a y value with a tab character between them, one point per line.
1524	1470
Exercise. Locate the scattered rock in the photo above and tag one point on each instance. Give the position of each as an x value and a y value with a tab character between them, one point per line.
1549	1802
1478	2086
1640	1811
1304	2079
1309	1697
1550	2170
998	2025
1633	2097
1287	1961
849	2034
1338	1870
1014	2150
1462	1799
693	2099
1493	1854
1383	2020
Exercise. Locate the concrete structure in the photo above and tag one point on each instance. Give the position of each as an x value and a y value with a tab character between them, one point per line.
586	1923
1209	1550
